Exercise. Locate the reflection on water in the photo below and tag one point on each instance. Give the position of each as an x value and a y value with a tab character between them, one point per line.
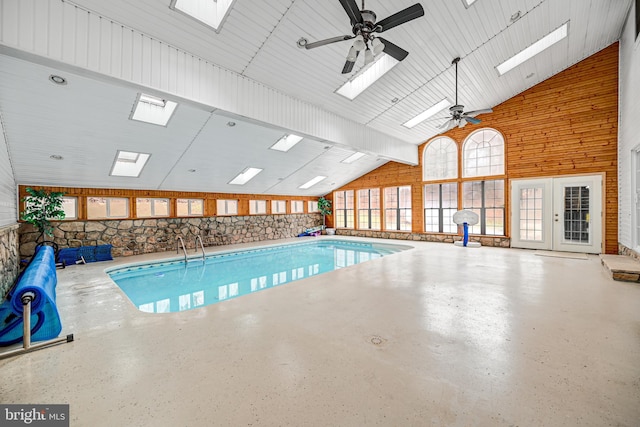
179	286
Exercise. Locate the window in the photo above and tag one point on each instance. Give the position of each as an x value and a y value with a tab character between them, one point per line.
483	154
312	206
486	198
257	207
227	207
397	208
150	208
297	206
189	207
107	207
440	203
440	159
278	206
70	207
369	209
343	209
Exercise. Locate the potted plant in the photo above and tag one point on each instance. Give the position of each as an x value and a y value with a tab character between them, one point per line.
40	208
324	206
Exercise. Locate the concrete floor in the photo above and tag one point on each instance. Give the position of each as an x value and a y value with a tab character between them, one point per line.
435	336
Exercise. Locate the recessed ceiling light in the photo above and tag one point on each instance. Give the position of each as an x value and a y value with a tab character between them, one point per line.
286	142
129	163
468	3
245	176
56	157
58	79
302	42
352	158
369	75
151	109
394	100
429	112
516	16
209	13
530	75
231	124
531	51
192	170
312	182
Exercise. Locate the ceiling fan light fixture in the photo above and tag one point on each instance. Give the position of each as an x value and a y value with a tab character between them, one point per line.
377	46
359	44
353	54
368	57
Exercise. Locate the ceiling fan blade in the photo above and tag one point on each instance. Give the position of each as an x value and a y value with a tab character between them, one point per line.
393	50
478	112
406	15
471	120
327	41
348	66
449	124
351	7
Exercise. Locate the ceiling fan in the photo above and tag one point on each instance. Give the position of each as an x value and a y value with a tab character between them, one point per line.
458	116
363	26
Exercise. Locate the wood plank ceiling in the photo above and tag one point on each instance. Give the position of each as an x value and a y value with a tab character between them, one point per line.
86	121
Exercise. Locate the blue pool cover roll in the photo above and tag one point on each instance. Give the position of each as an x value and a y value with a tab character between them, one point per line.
38	280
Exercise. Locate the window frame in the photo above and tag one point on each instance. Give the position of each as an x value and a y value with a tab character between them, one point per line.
257	207
108	201
189	208
278	207
369	210
483	208
431	149
474	171
341	216
226	203
152	208
398	209
297	206
442	224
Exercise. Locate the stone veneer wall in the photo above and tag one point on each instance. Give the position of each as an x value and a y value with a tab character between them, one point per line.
9	258
139	236
623	250
498	241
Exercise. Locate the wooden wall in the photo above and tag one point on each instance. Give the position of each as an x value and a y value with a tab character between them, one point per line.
565	125
209	198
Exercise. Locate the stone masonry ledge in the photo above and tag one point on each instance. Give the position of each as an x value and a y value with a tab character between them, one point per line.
622	267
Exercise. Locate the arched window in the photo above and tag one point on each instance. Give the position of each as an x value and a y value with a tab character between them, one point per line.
440	159
483	153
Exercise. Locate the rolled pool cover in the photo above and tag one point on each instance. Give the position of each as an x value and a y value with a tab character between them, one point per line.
38	282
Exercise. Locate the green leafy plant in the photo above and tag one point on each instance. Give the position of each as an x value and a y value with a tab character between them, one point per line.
324	206
40	207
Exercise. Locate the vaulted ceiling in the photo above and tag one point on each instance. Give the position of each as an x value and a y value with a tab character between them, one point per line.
275	86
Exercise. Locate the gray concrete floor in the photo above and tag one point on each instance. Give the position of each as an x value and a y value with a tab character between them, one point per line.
435	336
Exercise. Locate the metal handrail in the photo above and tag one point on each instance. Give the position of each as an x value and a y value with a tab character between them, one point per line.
179	243
198	238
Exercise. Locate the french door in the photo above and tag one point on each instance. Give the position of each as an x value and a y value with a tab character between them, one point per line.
559	214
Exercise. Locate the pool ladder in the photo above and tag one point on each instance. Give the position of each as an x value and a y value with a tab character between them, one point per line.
180	244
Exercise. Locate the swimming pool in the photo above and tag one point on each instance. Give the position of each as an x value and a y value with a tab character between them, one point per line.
174	286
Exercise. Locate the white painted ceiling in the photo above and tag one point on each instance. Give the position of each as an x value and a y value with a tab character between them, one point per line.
87	120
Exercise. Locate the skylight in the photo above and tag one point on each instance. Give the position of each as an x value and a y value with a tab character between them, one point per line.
352	158
312	182
211	13
286	142
129	163
468	3
365	78
528	53
245	176
150	109
431	111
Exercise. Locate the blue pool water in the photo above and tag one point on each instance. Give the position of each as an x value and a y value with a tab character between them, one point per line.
177	286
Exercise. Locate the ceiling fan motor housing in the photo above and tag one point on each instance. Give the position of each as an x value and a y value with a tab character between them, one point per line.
368	24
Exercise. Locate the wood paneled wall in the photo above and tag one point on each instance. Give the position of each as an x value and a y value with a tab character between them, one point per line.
565	125
209	198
